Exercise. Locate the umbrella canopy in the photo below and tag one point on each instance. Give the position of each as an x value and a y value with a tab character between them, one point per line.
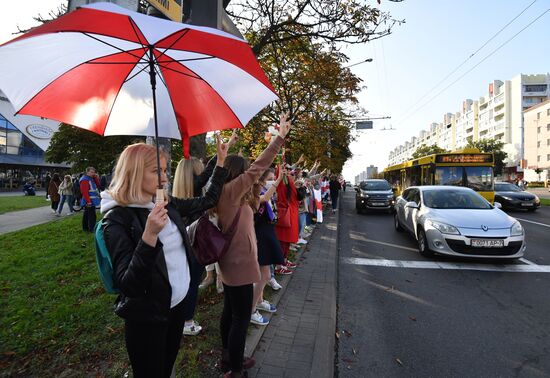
114	72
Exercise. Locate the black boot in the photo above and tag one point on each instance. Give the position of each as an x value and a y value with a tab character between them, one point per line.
225	363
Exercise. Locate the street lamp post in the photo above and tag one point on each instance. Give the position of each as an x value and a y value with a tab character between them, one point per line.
364	61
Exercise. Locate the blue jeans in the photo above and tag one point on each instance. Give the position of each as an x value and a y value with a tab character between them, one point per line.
302	222
69	200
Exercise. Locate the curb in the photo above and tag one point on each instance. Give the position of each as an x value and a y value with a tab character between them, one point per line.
322	352
255	333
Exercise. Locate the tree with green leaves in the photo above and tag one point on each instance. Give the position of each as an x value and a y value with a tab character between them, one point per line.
493	146
82	148
425	150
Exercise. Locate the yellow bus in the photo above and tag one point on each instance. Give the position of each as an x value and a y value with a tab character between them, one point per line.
467	167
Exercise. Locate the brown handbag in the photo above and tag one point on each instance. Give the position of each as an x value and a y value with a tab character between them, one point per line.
209	243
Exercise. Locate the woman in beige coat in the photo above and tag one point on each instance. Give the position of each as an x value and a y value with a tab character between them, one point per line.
239	268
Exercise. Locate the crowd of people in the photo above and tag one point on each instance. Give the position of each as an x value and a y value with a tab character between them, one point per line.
273	207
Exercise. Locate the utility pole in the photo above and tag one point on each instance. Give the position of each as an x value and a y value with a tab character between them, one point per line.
207	13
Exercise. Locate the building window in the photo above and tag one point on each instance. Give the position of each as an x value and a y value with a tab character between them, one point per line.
538	115
538	144
548	127
538	158
548	112
548	157
535	88
538	130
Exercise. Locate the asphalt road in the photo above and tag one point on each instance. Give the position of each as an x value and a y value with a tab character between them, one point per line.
404	322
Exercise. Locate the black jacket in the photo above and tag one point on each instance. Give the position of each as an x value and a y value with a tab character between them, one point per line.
199	182
140	271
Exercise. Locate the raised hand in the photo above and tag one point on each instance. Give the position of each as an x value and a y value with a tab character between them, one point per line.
284	125
221	149
234	138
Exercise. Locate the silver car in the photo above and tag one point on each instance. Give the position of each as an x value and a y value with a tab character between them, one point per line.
457	221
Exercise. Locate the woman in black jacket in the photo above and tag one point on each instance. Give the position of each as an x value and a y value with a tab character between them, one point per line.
151	255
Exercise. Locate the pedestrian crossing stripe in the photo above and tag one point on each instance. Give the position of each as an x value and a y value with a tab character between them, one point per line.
531	268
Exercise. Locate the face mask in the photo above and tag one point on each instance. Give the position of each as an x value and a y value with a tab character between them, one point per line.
269	184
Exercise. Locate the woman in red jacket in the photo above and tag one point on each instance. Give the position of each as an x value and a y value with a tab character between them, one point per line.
287	229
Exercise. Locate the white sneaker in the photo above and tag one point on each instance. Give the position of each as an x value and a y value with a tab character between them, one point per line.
258	319
274	284
266	306
302	241
192	329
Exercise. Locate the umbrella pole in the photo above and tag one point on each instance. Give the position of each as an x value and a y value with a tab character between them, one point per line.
160	191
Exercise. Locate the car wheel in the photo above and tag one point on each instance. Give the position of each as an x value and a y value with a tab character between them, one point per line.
396	223
423	244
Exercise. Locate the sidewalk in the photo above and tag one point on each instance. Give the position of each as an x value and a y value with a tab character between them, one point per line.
540	192
300	338
18	220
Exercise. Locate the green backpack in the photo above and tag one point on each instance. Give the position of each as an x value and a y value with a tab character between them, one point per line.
103	257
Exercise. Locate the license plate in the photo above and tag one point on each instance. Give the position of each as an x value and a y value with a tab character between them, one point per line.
526	204
378	204
489	243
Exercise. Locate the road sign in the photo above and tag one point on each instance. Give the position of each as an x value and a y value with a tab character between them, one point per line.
363	125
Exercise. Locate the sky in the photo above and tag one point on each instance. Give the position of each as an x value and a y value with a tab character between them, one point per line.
436	37
20	13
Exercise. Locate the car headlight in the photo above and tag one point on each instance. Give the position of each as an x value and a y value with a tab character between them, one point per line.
506	198
390	196
516	229
444	228
364	195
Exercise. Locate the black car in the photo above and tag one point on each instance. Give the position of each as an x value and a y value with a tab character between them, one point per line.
511	196
374	194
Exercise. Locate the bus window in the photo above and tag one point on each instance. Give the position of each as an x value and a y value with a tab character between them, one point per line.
448	176
426	175
480	179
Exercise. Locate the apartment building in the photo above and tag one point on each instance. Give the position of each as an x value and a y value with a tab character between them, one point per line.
370	172
497	114
537	142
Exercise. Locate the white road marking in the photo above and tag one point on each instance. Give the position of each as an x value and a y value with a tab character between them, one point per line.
527	261
447	265
359	237
530	221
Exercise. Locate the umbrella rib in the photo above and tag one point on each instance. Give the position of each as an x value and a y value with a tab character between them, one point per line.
173	43
135	28
160	77
137	73
182	73
185	60
113	46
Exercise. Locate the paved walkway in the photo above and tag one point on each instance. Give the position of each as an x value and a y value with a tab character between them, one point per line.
300	338
540	192
18	220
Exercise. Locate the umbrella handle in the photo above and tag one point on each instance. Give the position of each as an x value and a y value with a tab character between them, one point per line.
160	195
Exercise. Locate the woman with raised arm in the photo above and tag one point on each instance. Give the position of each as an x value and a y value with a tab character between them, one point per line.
239	267
151	255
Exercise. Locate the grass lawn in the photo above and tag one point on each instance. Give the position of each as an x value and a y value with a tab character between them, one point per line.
545	201
56	319
14	203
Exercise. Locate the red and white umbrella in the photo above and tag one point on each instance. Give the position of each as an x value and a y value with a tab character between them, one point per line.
115	72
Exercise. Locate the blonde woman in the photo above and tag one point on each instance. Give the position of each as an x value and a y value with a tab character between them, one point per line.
151	254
